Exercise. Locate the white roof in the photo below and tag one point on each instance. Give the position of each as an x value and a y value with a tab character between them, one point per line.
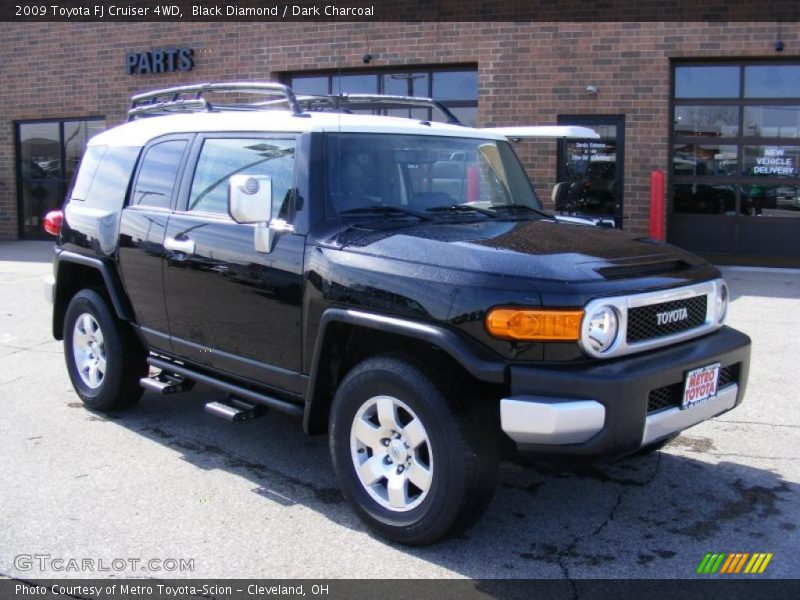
546	131
141	131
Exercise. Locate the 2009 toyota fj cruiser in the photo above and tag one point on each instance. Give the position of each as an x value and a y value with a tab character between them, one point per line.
393	281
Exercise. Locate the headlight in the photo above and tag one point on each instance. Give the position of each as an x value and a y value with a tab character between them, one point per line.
600	330
722	302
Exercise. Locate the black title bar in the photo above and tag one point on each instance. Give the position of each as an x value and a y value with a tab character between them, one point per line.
786	11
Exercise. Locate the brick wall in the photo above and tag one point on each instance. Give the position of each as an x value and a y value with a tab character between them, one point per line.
528	74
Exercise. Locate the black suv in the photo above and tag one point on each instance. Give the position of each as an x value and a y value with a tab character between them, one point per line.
392	281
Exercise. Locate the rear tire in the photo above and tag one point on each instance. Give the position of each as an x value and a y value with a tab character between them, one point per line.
416	459
104	359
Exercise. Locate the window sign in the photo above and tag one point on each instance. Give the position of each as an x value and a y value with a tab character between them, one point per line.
771	160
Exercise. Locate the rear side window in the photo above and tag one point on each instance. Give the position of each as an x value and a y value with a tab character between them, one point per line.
89	163
221	158
158	175
110	178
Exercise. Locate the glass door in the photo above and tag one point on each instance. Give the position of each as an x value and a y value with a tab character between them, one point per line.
48	153
590	171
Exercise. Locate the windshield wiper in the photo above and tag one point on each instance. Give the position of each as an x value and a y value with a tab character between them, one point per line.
462	208
520	208
384	211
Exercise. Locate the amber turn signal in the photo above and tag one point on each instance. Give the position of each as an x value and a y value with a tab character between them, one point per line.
534	325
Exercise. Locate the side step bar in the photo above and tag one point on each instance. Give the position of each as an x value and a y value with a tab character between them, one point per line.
165	383
235	390
233	409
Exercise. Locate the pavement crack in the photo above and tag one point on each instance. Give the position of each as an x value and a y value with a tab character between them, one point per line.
756	423
734	455
613	512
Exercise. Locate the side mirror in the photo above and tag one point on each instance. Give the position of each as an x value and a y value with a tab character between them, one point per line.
250	198
250	202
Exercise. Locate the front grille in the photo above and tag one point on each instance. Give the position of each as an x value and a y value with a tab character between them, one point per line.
643	320
728	375
670	396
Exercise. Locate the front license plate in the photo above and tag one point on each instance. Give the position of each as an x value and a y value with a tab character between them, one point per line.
701	384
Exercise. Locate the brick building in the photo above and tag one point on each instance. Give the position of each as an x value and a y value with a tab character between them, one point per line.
713	105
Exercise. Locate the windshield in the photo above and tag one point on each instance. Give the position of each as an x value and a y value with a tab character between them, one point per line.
426	174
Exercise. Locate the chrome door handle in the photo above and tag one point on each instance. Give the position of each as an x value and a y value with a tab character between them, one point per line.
184	246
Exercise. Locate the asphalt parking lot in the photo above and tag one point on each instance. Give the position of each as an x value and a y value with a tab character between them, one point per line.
259	499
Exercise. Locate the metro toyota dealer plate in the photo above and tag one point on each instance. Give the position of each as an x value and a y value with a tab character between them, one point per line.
701	384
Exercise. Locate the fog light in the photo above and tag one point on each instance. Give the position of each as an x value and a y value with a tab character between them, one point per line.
600	331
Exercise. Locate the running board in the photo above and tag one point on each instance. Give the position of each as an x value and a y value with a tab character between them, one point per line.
231	388
235	410
166	383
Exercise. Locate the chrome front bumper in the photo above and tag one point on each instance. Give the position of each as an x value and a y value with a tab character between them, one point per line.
666	422
556	421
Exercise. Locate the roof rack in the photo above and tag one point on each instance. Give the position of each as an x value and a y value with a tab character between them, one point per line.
192	98
375	102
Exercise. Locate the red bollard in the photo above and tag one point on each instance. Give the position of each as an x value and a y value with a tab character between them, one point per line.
473	185
657	205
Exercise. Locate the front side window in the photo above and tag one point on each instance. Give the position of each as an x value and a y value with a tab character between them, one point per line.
424	173
158	174
221	158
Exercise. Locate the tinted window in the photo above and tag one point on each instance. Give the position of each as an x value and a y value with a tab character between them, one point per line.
772	121
772	81
158	174
111	180
707	82
707	121
406	84
455	85
355	84
89	163
458	89
310	85
705	159
49	152
40	150
773	161
221	158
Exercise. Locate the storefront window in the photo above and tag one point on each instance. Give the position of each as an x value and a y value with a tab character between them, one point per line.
771	161
707	82
355	84
406	84
48	153
772	81
770	200
457	88
752	168
706	121
704	159
772	121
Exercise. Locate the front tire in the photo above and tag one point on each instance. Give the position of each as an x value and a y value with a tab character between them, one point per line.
104	359
415	459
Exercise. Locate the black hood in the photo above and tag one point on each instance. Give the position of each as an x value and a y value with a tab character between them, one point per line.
543	249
